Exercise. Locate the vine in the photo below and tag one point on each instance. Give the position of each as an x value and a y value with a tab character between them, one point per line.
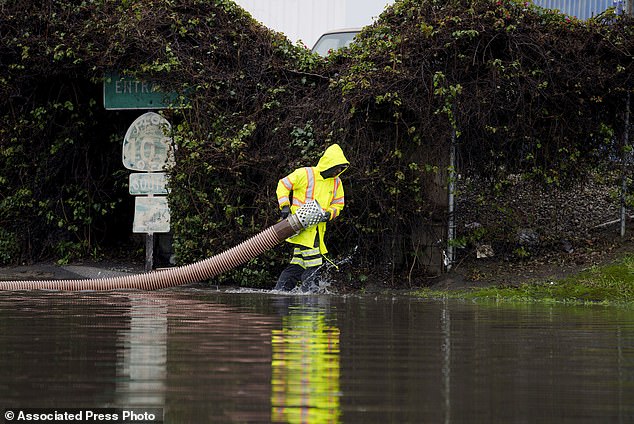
530	91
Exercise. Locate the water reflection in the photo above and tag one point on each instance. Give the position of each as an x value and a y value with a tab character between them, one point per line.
142	365
218	357
305	368
445	348
59	350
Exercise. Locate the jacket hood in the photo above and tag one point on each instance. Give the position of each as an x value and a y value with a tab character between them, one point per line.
333	156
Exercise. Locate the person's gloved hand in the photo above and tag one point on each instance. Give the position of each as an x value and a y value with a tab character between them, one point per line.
285	212
325	217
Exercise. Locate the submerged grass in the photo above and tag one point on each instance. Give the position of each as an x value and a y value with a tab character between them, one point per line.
607	284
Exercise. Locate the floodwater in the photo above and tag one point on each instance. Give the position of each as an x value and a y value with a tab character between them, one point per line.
208	356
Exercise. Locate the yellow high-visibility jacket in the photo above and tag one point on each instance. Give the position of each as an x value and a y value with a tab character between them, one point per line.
306	184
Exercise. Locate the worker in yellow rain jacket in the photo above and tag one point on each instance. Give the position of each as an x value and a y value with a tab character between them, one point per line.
321	183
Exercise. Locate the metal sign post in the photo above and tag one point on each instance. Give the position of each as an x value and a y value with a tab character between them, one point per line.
625	161
149	252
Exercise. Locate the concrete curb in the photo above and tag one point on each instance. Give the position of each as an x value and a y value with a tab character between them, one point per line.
52	271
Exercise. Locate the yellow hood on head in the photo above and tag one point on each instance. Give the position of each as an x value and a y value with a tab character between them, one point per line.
333	156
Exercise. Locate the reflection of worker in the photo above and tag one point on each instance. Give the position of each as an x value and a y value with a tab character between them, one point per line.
303	185
305	370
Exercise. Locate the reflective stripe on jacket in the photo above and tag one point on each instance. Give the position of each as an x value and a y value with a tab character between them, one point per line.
306	184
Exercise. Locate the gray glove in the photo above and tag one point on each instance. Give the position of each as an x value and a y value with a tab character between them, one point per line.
325	217
285	212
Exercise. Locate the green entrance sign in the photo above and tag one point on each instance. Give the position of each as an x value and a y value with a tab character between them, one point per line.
124	92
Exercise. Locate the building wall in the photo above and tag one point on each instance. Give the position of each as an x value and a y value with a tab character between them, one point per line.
582	9
306	20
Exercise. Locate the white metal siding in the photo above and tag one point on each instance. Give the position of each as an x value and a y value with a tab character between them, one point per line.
298	19
582	9
306	20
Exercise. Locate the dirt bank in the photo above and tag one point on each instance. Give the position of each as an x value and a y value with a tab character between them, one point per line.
601	248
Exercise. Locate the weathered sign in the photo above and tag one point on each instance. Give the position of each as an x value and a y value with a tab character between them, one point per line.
147	144
151	215
150	183
124	92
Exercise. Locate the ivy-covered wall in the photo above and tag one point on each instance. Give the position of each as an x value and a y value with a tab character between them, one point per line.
525	90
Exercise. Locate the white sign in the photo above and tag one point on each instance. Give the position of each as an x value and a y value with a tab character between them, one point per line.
151	215
147	145
150	183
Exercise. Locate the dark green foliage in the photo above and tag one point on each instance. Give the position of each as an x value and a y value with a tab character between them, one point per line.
526	91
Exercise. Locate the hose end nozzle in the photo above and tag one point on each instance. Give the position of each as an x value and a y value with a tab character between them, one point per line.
308	215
